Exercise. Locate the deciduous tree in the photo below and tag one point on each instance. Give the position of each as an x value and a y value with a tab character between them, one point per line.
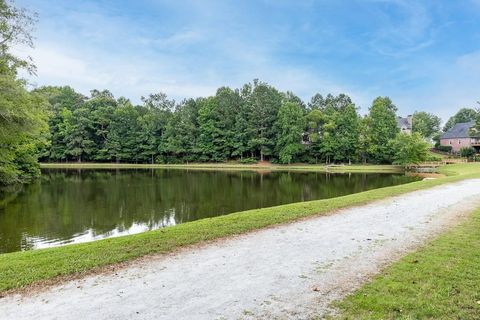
426	124
382	127
290	125
409	149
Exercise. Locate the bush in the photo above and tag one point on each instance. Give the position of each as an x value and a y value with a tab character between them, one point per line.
467	152
444	148
434	157
248	160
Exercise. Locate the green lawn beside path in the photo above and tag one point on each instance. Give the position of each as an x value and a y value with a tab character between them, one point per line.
20	269
439	281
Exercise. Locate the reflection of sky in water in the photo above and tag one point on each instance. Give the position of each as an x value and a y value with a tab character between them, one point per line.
75	206
90	235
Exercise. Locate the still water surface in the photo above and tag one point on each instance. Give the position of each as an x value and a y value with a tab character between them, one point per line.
71	206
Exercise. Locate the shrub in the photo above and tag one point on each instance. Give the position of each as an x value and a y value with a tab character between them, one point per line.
444	148
467	152
434	157
248	160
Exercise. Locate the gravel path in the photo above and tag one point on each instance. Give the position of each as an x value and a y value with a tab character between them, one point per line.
288	272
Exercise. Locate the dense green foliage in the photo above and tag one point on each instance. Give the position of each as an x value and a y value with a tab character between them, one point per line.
444	148
467	152
409	149
381	128
426	124
290	130
23	128
254	122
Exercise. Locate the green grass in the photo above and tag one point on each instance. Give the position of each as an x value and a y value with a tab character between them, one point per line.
439	281
227	166
21	269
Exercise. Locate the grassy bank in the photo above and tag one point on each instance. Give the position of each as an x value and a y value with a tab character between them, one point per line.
24	268
228	166
439	281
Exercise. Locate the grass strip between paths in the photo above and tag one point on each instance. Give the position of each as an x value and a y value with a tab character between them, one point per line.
439	281
21	269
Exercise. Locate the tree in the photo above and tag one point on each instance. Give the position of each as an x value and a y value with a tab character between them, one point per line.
100	109
382	127
59	99
263	104
316	102
241	131
363	139
289	96
211	139
159	101
426	124
23	115
290	124
122	143
79	142
315	119
475	131
153	122
23	130
346	134
229	104
16	26
463	115
409	149
181	132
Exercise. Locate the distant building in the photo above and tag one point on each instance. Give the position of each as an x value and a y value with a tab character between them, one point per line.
459	137
405	124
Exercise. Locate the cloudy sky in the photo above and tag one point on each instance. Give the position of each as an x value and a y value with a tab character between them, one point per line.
425	55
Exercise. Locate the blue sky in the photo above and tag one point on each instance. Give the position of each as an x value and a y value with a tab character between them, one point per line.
425	55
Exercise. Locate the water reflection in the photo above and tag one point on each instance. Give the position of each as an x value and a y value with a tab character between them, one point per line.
70	206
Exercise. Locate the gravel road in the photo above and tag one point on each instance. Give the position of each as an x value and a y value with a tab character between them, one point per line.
292	271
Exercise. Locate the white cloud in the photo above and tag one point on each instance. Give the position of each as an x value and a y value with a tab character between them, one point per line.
207	46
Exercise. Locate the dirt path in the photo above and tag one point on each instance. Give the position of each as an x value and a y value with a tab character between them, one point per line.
289	272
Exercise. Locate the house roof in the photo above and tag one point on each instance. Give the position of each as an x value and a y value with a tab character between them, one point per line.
404	122
460	130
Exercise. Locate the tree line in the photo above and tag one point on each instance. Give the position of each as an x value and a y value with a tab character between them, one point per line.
254	123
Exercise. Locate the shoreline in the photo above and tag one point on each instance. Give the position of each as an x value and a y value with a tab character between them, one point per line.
22	269
231	166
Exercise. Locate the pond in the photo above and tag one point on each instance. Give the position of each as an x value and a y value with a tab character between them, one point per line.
70	206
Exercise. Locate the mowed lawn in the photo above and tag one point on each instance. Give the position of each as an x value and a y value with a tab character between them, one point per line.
439	281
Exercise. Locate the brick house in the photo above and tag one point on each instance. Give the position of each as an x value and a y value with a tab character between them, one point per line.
459	137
